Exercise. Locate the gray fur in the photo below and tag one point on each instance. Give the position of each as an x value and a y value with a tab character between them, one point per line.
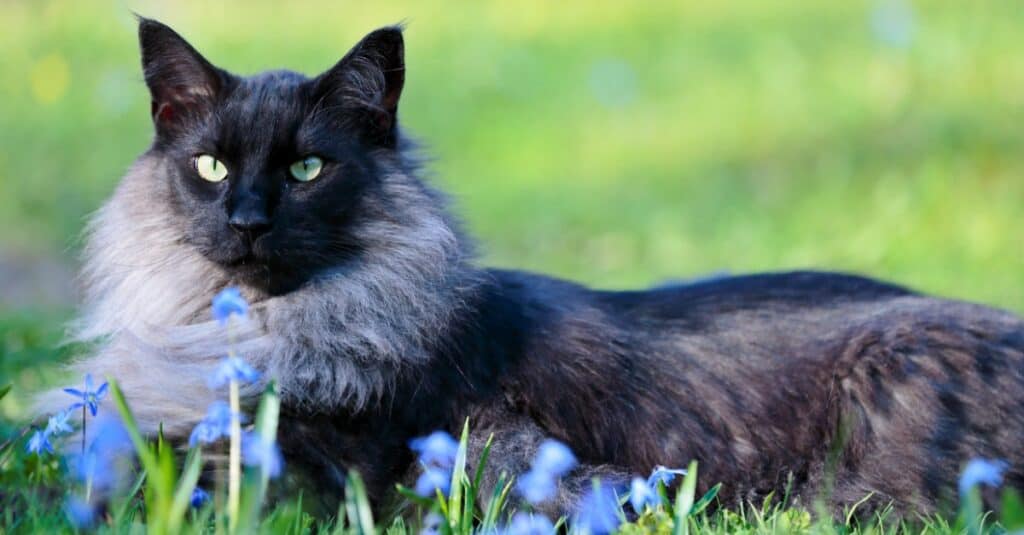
339	341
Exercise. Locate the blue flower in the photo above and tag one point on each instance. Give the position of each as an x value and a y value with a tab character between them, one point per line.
598	512
262	453
663	475
536	486
233	369
229	302
108	457
436	449
982	471
199	498
39	442
554	458
216	424
81	513
89	466
641	495
431	480
90	398
432	524
58	423
530	524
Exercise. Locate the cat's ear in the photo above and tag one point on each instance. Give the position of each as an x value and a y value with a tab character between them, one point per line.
367	83
182	83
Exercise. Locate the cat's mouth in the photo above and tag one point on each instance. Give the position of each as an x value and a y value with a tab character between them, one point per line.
260	268
244	256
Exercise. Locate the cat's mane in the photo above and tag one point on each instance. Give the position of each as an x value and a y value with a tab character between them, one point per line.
339	341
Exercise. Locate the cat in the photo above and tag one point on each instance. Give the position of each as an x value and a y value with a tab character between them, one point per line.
374	319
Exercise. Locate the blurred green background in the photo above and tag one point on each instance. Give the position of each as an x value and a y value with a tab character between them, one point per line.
618	143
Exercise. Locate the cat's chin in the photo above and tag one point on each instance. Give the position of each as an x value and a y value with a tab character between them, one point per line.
266	273
264	277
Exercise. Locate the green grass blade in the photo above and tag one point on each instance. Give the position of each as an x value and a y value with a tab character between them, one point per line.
684	501
266	426
397	527
186	484
485	455
458	477
497	503
122	510
357	506
1012	510
146	456
411	495
705	500
468	507
442	504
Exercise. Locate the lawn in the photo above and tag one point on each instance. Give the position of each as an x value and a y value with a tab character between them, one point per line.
617	143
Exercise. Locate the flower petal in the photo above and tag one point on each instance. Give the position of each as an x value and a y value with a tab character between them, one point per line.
199	498
982	472
598	512
555	458
536	486
431	480
664	475
229	302
435	449
524	523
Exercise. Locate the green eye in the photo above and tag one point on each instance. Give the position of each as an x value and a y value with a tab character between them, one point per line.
307	168
209	168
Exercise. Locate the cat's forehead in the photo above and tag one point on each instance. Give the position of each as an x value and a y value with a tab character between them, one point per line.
268	89
263	108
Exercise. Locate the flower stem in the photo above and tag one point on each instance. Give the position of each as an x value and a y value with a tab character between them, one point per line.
234	460
85	460
83	431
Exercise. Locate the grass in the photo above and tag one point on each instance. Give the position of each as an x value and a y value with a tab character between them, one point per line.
39	488
615	143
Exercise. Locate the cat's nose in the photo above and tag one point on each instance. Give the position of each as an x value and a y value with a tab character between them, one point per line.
250	221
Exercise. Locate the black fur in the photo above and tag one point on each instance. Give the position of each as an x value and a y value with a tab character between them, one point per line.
760	378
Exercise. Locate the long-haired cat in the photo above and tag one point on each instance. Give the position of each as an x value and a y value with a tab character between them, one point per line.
376	323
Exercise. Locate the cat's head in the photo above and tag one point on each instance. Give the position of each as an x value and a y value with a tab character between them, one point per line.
272	176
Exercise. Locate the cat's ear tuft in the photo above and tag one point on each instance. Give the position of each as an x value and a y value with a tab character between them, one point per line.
367	83
182	82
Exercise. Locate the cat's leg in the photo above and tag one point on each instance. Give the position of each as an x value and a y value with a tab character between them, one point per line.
515	444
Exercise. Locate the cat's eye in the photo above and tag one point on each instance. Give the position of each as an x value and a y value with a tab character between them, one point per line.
306	169
209	168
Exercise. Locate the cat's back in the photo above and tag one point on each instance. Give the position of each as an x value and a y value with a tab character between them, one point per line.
800	312
757	376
